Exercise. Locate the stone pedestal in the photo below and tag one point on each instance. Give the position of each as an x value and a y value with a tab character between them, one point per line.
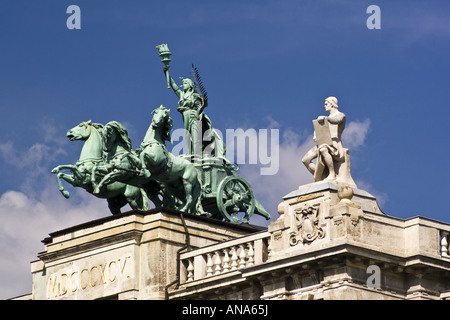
127	256
304	214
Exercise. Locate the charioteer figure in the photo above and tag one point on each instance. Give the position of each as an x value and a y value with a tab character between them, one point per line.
198	127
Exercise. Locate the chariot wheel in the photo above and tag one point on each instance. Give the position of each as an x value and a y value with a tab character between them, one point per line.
235	199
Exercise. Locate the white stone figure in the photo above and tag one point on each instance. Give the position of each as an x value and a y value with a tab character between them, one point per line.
333	160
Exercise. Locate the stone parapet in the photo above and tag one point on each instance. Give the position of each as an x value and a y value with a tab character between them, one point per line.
329	242
128	256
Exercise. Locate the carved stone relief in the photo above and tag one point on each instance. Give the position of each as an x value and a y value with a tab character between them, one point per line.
308	229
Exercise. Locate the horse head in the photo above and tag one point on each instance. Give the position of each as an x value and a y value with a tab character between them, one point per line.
82	131
161	119
115	133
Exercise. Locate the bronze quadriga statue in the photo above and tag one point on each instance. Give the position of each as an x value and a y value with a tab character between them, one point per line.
202	182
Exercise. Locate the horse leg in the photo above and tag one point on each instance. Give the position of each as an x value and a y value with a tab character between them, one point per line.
109	178
98	172
191	189
57	169
196	195
94	169
69	179
153	189
196	191
144	167
75	180
115	203
136	197
188	200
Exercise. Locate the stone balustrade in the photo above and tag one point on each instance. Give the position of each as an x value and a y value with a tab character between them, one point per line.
337	238
443	243
224	257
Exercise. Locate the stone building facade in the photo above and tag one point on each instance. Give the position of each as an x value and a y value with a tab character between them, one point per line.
329	242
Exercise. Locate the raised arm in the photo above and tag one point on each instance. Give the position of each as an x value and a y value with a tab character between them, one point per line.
172	83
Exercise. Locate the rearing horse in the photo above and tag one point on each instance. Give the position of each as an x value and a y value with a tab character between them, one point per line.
122	164
117	194
163	166
182	188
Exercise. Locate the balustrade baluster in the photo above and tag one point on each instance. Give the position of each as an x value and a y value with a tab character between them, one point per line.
242	256
209	264
444	244
217	263
226	260
250	254
234	258
190	270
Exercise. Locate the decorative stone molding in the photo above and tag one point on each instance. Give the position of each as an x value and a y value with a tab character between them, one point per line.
320	248
345	207
308	229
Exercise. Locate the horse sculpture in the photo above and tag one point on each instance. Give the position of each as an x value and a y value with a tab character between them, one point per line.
122	164
152	161
117	194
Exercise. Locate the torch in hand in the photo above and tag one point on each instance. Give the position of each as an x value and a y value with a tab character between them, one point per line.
165	54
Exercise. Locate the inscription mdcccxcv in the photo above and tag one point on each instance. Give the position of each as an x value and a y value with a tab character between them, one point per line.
75	279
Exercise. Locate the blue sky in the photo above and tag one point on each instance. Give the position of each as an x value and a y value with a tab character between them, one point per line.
265	64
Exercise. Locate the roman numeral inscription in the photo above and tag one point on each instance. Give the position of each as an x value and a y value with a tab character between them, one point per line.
69	281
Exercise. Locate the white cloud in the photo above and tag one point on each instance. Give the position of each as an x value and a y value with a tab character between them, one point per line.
32	163
29	214
38	154
269	190
355	133
27	220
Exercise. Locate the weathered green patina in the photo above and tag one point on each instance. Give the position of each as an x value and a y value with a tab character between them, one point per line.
201	138
151	165
225	195
118	194
202	182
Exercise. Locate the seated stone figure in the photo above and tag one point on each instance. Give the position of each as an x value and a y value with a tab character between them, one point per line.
333	160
